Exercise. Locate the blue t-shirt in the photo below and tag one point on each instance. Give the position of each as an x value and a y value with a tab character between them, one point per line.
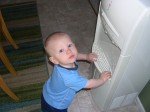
59	90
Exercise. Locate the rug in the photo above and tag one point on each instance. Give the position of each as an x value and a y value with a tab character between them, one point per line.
29	61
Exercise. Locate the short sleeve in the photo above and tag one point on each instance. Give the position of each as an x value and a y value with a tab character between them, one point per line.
75	81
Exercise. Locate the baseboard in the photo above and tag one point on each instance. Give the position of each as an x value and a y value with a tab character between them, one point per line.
139	105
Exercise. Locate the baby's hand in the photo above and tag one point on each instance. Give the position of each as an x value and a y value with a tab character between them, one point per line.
91	57
105	75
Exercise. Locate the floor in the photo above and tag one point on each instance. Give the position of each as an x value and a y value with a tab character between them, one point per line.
77	18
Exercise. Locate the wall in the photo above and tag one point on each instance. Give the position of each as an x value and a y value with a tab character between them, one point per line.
144	97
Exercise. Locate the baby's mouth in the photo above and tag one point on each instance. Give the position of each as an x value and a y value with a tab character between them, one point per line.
72	56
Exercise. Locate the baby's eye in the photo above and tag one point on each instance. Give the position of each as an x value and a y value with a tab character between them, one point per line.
61	50
70	45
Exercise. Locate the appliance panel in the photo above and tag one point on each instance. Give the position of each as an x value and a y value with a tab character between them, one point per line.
127	24
112	52
120	17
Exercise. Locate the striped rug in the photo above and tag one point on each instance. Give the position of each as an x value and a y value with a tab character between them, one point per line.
23	23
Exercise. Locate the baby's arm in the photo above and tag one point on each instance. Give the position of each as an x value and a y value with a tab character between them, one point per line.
92	83
91	57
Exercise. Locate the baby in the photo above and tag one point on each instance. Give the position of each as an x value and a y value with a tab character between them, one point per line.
64	81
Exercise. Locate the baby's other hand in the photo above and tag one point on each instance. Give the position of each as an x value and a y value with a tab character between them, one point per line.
91	57
105	75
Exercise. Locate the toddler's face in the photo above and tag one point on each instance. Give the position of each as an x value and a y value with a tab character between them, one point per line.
63	51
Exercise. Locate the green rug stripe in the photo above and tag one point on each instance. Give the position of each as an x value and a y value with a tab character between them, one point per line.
24	48
21	67
23	33
27	95
20	62
25	45
25	60
13	106
18	68
24	93
36	110
26	32
26	56
19	11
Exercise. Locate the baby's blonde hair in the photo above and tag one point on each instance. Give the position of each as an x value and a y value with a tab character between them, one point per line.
51	37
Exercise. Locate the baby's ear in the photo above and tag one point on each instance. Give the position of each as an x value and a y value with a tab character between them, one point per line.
53	60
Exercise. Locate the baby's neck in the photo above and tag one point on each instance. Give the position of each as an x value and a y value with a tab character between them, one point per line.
71	65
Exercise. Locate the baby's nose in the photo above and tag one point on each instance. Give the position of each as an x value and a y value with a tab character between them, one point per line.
68	51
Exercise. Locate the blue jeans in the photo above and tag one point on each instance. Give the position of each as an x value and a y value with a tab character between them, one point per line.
47	108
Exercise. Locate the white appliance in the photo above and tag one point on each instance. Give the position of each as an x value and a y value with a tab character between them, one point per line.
122	42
